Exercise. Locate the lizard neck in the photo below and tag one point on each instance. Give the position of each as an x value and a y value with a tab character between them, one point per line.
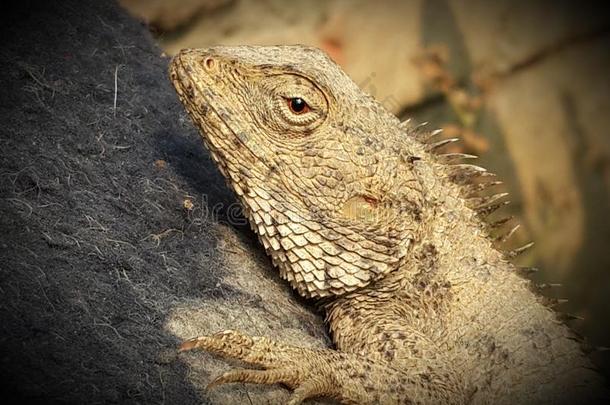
450	251
457	303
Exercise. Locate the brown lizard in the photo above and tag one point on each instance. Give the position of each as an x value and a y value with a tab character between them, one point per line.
360	212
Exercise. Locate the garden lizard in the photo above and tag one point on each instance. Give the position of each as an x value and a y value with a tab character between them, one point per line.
364	214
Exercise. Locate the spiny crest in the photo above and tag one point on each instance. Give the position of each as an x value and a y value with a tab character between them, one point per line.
507	236
474	181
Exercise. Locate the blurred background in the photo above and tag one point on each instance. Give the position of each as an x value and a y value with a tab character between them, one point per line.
526	86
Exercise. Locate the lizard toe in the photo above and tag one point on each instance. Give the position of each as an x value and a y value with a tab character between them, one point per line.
315	387
281	375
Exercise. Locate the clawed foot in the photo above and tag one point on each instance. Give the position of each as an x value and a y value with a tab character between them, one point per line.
346	377
303	370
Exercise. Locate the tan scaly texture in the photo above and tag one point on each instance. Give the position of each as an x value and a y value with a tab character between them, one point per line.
359	211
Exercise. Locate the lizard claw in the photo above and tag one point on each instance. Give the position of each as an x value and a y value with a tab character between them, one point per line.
281	364
187	345
311	388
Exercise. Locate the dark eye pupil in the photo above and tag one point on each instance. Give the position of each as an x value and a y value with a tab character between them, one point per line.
297	104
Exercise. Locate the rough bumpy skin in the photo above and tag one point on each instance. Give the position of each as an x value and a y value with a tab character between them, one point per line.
357	210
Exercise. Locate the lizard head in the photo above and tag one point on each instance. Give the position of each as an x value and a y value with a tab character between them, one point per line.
323	171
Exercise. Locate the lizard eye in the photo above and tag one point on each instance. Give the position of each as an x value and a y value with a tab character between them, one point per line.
297	105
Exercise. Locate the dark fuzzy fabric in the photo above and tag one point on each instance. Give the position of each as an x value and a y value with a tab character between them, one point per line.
85	285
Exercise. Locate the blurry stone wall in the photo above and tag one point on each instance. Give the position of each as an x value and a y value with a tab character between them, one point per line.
525	84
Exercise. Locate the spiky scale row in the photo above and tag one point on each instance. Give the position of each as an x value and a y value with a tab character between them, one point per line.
467	175
406	124
472	190
480	203
545	286
567	317
488	209
516	252
504	238
449	158
464	174
501	222
527	271
470	177
433	147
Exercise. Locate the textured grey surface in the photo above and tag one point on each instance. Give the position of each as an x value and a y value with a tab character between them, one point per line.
86	288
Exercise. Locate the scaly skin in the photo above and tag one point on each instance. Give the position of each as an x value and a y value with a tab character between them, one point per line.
356	210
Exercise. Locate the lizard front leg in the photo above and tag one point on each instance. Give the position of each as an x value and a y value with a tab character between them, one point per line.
346	377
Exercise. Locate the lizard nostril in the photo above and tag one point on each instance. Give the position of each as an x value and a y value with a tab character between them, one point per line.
209	63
